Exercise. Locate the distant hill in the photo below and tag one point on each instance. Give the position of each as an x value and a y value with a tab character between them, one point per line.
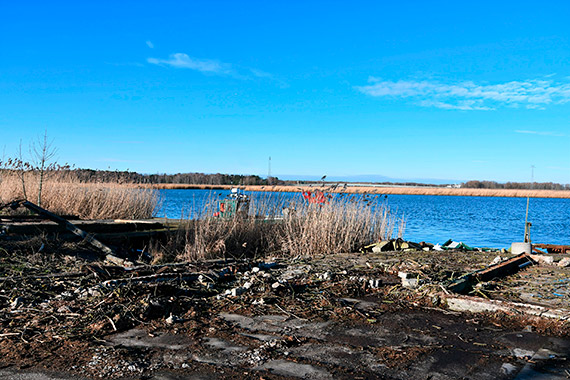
367	178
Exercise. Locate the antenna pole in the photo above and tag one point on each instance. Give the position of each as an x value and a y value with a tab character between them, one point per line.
527	224
269	172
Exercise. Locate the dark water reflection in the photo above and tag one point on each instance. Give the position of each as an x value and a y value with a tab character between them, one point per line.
477	221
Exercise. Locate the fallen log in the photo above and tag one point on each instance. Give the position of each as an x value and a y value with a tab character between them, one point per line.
110	254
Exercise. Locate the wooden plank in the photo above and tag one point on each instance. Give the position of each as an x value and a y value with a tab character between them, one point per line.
89	226
110	254
504	268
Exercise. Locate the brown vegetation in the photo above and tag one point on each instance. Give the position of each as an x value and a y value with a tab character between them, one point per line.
274	227
64	194
474	192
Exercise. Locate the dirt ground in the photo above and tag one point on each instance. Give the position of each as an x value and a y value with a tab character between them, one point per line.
63	314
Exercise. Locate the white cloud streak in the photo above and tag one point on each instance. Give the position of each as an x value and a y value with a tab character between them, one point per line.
540	133
183	61
215	67
531	94
150	44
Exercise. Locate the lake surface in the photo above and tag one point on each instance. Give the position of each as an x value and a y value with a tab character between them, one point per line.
476	221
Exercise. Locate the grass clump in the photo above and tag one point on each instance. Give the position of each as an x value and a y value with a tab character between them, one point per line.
64	194
341	225
277	227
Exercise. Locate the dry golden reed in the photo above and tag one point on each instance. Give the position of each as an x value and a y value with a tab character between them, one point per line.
65	195
276	226
423	190
341	225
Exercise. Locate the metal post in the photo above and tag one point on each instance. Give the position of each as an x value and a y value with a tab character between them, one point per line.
527	224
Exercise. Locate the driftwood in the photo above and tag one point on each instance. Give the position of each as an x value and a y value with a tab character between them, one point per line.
109	253
160	277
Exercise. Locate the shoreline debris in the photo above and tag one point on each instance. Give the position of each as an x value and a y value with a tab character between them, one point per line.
500	269
110	254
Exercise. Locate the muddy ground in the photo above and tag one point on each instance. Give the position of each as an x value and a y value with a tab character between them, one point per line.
63	314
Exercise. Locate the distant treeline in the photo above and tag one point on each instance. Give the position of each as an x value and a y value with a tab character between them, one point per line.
89	175
515	185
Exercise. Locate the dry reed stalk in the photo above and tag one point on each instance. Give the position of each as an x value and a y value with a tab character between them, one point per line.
342	225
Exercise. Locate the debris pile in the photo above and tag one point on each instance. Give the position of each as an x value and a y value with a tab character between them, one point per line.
390	309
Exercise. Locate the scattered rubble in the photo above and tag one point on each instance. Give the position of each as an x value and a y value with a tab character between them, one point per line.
407	312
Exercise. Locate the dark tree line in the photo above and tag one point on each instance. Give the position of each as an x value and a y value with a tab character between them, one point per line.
89	175
515	185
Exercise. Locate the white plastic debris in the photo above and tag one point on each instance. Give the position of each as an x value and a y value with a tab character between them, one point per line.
237	291
375	283
18	301
565	262
410	283
496	260
543	259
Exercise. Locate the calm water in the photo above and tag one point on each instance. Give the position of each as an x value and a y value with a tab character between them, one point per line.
476	221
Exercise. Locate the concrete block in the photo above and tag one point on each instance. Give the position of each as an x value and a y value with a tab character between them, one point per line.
517	248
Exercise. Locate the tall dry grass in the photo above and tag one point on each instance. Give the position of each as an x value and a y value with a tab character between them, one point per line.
342	225
65	195
202	236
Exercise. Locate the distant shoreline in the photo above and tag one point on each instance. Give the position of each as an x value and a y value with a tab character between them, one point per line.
522	193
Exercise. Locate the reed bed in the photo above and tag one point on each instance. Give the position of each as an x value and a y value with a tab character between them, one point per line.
276	226
65	195
517	193
341	225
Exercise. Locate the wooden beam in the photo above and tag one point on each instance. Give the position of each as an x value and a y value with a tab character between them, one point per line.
109	253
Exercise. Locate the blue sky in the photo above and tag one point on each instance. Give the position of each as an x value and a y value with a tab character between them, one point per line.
405	89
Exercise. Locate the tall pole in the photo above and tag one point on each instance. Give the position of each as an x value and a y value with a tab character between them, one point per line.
269	172
526	223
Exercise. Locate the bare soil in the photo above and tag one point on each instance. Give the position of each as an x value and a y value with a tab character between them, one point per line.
65	315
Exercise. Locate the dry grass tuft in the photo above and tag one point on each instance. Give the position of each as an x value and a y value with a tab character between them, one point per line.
342	225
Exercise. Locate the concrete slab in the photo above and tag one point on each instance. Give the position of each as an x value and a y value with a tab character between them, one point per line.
140	338
289	368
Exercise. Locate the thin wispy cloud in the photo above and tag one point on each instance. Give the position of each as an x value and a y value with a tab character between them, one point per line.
150	44
215	67
540	133
183	61
530	94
